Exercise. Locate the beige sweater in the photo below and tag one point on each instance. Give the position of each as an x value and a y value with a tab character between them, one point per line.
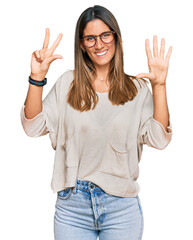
103	145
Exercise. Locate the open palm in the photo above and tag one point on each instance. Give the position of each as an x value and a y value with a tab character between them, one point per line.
157	64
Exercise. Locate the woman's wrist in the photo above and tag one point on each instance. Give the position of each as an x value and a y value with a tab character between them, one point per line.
37	77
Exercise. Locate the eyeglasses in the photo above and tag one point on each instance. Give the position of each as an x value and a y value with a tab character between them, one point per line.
90	40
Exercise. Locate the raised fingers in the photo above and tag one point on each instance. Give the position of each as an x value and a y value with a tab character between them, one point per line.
155	46
147	49
56	42
162	48
47	38
168	54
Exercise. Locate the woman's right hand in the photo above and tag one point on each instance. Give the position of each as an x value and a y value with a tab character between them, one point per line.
41	59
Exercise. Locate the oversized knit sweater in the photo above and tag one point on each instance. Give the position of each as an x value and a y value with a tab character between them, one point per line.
103	145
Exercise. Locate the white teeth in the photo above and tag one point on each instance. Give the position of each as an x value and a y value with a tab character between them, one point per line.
100	54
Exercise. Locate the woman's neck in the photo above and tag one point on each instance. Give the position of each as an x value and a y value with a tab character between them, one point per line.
102	74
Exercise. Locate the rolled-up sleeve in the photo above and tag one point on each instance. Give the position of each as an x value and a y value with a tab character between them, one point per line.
36	126
152	132
47	120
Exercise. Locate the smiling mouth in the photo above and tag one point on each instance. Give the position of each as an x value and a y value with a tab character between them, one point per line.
101	53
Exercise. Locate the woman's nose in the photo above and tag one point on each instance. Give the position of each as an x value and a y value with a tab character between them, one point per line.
99	43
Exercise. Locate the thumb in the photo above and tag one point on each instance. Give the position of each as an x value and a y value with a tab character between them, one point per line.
142	75
54	57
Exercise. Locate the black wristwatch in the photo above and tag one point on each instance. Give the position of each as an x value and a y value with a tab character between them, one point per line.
38	83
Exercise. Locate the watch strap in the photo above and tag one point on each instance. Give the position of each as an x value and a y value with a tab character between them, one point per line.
37	83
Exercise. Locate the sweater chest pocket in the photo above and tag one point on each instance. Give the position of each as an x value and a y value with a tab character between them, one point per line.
119	152
119	148
116	159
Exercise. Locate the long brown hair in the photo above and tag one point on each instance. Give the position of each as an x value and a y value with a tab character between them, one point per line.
122	88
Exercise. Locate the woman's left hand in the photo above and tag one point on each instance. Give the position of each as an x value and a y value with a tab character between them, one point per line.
158	65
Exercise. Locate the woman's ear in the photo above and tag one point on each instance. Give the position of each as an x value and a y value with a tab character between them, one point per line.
82	46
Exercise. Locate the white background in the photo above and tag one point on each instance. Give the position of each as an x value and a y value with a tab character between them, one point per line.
27	201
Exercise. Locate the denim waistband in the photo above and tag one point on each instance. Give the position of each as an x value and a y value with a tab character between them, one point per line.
84	185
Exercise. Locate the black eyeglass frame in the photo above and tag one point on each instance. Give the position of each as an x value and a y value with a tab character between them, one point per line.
95	36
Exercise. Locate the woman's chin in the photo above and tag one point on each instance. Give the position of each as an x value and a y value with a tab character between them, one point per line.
102	63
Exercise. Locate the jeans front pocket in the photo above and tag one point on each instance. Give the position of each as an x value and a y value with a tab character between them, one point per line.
64	194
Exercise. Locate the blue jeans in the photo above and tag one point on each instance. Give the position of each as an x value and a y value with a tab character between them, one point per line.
86	211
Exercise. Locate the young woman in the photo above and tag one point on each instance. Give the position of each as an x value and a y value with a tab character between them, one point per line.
98	119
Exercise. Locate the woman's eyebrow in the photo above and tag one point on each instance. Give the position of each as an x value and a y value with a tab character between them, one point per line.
96	34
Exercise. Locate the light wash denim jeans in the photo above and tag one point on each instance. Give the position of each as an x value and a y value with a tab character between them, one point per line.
85	212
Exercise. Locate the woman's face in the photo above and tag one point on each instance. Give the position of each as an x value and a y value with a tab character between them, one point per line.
96	27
